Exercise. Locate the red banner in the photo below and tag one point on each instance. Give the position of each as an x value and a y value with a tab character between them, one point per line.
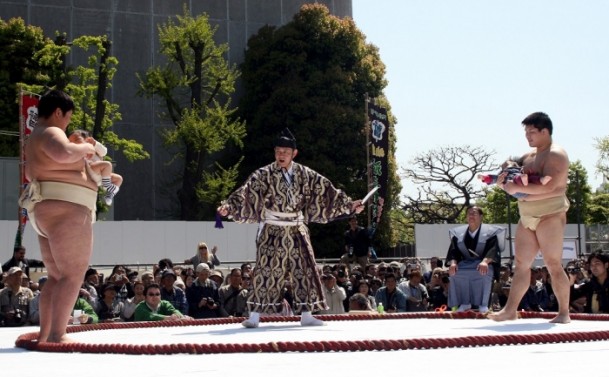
28	115
28	118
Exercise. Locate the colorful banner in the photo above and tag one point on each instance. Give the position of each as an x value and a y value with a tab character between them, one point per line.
28	118
379	152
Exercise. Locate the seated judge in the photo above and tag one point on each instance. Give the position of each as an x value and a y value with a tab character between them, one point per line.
472	257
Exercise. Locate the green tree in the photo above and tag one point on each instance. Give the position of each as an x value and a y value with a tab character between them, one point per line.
18	43
578	193
88	84
602	146
495	206
33	62
312	76
598	209
195	86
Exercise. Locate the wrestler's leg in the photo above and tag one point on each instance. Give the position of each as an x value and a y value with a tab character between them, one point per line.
70	243
526	249
550	234
45	294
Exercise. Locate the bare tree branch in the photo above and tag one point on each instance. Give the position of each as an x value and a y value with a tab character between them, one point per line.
445	182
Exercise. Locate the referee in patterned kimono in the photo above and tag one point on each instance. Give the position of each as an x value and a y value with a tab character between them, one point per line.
473	256
284	197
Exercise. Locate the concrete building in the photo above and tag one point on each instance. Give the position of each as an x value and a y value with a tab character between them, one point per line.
132	27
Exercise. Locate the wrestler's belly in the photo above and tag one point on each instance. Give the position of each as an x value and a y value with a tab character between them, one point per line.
67	176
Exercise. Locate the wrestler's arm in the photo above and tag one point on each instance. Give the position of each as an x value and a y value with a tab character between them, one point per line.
57	146
557	167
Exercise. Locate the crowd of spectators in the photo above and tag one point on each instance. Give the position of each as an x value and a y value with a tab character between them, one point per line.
183	292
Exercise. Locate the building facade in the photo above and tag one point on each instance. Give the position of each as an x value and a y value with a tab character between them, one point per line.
132	27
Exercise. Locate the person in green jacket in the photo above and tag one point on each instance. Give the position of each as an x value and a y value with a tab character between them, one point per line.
155	309
88	315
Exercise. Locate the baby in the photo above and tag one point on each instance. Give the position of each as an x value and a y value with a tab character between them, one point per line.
99	170
514	172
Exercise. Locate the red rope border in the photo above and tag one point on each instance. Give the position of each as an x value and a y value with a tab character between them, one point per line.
28	340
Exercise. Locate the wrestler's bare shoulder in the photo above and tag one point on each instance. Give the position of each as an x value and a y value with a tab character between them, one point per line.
557	150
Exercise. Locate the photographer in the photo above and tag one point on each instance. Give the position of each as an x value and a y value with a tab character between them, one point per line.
416	294
577	281
14	299
334	294
596	290
202	295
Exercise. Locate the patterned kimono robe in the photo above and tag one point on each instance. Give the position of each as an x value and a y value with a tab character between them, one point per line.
283	205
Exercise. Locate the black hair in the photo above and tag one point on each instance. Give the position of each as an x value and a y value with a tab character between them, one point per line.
152	285
539	120
52	100
165	263
598	254
478	209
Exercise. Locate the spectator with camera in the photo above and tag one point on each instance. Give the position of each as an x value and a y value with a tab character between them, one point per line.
90	288
14	299
577	279
233	297
120	280
536	298
393	299
111	308
416	294
596	290
438	289
202	296
335	295
153	308
171	293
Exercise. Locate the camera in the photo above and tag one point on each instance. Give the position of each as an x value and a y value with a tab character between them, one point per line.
573	270
210	301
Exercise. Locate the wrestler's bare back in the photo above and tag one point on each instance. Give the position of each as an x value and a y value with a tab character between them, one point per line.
51	157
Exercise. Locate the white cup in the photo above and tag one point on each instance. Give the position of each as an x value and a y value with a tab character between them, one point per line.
76	316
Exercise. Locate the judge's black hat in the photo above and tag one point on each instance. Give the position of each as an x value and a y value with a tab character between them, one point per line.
286	139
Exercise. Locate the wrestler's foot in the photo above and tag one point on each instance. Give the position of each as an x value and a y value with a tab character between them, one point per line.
561	318
483	309
464	308
545	179
502	315
307	319
253	321
62	339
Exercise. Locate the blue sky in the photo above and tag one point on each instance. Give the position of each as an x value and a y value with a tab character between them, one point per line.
468	72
